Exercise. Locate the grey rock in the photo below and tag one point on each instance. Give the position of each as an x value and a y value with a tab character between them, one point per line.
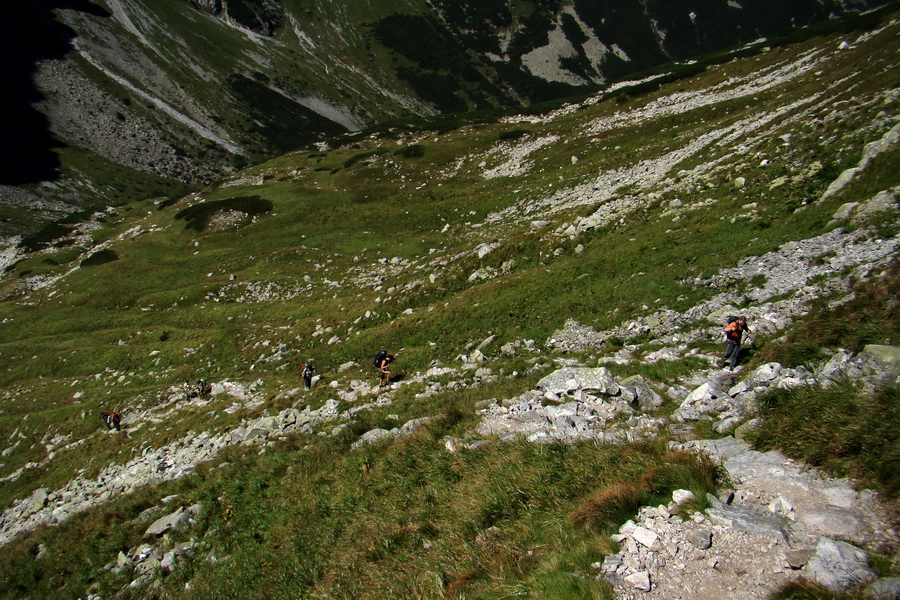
885	589
700	538
39	498
640	581
797	559
882	202
682	496
645	537
838	565
647	399
833	521
171	521
123	561
572	379
765	373
883	362
746	428
372	436
749	520
168	561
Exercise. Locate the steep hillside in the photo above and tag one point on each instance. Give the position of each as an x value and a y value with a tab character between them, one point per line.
554	286
178	92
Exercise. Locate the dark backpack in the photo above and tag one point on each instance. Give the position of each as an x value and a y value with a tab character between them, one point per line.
382	354
731	319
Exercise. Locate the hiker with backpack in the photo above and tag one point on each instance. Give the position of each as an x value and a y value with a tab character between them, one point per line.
111	420
307	372
382	362
733	331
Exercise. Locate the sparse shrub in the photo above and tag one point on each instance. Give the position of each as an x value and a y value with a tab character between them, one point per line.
362	156
167	202
44	237
199	215
412	151
758	280
100	258
513	135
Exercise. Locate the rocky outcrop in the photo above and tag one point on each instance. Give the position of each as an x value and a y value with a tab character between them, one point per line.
575	403
845	251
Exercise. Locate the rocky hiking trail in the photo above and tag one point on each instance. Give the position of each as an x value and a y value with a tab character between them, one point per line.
780	521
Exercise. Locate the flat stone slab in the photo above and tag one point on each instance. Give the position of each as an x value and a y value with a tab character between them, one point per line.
171	521
838	565
834	522
750	521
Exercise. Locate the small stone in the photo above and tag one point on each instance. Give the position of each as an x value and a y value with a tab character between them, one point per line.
682	496
640	581
645	537
700	538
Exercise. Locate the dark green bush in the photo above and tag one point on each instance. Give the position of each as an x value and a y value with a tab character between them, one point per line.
198	216
100	258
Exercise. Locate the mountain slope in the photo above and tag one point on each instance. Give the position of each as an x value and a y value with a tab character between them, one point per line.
183	91
486	254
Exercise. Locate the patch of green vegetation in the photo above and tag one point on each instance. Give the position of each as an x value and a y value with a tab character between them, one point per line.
100	258
840	428
411	151
513	515
870	316
807	590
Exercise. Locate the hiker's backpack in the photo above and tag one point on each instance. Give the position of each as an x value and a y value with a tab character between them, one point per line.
731	319
382	354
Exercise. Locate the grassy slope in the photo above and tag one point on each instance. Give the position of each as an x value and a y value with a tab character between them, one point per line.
93	333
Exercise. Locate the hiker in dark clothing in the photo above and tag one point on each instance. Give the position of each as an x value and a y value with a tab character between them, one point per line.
111	420
733	332
384	368
308	371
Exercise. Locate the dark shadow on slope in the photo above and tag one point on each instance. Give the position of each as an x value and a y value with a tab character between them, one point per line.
28	35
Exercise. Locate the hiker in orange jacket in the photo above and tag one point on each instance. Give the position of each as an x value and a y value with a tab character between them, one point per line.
733	332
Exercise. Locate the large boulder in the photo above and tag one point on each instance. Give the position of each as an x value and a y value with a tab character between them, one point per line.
573	379
838	565
171	521
704	400
881	364
646	398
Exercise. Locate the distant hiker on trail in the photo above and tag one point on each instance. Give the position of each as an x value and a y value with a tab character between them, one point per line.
383	362
189	390
308	371
202	388
111	420
733	332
